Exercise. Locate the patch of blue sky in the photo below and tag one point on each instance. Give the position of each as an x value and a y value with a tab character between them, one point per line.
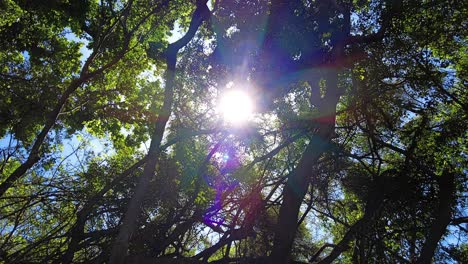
6	140
25	54
82	145
85	52
95	144
176	33
81	141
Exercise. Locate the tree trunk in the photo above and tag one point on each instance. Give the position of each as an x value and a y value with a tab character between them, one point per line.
443	216
122	241
35	153
298	181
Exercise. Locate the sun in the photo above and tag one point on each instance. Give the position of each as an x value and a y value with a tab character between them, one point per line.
236	107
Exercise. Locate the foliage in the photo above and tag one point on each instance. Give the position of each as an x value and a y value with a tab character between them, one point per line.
356	153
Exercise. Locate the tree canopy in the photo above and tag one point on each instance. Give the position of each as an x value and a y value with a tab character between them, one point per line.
350	143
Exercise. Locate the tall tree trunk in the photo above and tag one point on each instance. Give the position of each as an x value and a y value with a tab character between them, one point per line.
122	241
443	215
120	247
298	181
293	194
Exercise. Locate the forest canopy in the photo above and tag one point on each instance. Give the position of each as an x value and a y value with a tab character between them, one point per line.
233	131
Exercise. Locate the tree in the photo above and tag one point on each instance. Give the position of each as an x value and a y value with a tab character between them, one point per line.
357	152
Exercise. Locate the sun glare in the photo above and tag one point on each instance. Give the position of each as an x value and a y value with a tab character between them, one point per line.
236	107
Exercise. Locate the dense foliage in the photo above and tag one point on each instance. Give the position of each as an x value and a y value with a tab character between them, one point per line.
113	149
